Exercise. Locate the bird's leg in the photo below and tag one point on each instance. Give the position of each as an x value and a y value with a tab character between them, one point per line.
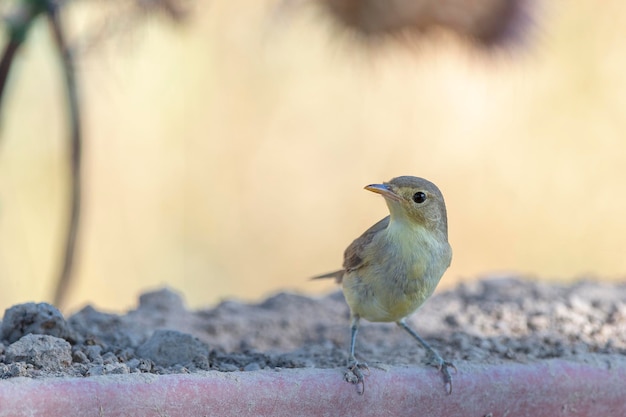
354	373
441	364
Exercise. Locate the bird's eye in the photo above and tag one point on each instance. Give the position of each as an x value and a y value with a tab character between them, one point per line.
419	197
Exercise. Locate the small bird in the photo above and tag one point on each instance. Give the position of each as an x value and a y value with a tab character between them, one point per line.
392	268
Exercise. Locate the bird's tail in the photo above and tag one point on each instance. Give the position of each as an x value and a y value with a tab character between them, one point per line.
338	275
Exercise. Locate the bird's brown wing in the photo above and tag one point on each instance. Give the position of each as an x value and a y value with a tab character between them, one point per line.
352	257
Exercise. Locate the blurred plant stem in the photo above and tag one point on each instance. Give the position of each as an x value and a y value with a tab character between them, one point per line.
18	21
18	24
75	143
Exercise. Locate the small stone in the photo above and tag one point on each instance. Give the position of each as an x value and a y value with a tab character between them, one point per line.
18	369
116	368
93	353
145	365
228	367
538	323
125	354
254	366
79	357
170	347
41	318
163	300
452	320
109	358
108	369
133	364
95	370
41	351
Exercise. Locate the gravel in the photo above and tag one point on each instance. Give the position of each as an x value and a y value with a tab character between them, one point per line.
490	321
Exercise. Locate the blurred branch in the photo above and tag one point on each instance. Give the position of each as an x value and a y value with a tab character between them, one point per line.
18	22
64	279
7	58
487	23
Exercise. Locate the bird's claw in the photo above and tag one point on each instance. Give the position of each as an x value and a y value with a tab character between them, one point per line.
354	375
444	367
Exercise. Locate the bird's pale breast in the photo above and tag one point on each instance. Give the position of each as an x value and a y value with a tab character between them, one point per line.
401	270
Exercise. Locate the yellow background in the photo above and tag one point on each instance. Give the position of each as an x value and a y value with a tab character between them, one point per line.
226	158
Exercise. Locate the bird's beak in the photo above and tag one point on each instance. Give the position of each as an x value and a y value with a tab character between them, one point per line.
383	190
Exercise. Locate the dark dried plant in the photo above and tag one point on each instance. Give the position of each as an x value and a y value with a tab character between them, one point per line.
18	18
487	24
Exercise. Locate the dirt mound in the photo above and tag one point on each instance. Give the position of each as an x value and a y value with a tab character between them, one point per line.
491	321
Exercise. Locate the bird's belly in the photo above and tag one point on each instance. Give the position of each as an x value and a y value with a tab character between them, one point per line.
381	302
399	277
394	310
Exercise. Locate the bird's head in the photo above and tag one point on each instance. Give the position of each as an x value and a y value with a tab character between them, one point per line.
414	200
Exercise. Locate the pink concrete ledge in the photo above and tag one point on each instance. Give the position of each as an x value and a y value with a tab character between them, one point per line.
548	388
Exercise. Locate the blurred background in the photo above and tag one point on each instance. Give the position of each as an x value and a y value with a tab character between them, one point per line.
226	157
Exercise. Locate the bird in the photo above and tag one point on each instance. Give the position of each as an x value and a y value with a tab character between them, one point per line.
395	265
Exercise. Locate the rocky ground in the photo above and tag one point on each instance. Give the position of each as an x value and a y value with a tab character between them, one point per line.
490	321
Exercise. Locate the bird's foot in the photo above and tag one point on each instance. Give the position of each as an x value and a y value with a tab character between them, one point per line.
444	367
354	374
